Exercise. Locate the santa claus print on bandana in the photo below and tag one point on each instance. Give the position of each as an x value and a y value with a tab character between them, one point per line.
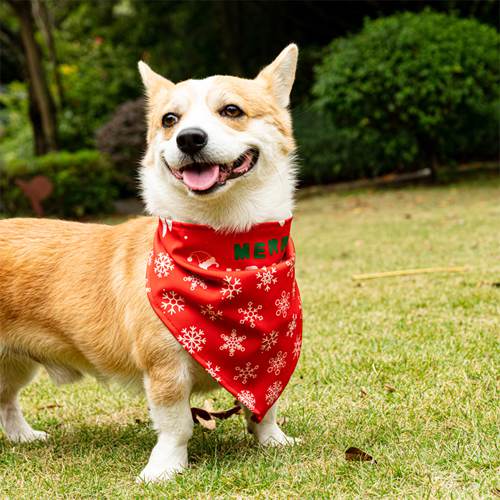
232	302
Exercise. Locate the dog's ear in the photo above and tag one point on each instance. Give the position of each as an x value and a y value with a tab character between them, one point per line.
280	74
153	82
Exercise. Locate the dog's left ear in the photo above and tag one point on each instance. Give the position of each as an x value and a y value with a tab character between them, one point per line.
153	82
280	74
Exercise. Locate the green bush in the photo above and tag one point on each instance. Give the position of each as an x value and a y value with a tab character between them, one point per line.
83	184
407	91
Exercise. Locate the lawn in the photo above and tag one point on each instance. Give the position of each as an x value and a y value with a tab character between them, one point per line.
404	368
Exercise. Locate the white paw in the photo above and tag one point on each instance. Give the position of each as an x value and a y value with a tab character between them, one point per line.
28	436
279	440
275	437
155	474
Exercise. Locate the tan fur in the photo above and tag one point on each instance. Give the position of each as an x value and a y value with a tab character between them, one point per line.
73	295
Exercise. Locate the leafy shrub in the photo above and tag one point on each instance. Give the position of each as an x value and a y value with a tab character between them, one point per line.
83	184
16	135
408	90
123	139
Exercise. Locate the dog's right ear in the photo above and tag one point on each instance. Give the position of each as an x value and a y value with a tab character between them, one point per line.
153	82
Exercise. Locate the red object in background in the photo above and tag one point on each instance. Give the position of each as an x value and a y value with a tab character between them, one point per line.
36	190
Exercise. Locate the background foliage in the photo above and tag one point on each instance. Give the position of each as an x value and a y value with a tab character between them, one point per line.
382	86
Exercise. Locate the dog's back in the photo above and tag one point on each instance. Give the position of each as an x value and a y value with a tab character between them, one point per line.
66	284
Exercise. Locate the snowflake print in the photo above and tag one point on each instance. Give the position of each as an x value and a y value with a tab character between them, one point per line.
210	311
250	314
283	304
247	399
266	278
231	288
277	363
232	343
192	339
290	264
195	282
246	372
291	326
296	347
163	265
172	302
269	340
273	392
213	371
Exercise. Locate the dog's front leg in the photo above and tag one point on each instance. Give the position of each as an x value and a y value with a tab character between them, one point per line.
171	415
267	432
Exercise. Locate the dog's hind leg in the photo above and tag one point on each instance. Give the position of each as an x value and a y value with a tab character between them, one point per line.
268	432
15	373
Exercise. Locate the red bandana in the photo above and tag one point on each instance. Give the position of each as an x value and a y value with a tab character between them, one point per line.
232	302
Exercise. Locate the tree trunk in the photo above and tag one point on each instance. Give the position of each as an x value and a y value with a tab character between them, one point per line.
39	90
46	26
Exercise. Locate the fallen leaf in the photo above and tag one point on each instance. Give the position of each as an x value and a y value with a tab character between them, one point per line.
363	392
208	424
389	388
50	406
354	454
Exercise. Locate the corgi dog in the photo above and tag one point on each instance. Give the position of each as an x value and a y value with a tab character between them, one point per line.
220	152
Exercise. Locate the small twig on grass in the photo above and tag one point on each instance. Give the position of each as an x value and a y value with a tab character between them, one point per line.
408	272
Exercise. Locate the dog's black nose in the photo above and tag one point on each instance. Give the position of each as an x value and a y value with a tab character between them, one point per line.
191	140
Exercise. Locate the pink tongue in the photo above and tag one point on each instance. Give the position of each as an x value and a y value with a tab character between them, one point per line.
201	179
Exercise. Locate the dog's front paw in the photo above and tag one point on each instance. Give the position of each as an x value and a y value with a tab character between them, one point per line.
275	437
28	436
156	474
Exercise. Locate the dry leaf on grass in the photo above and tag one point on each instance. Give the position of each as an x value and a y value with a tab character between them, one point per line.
354	454
207	418
389	388
50	406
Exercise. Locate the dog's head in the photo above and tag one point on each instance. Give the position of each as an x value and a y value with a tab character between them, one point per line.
219	144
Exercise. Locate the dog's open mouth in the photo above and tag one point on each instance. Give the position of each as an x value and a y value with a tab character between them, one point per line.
204	177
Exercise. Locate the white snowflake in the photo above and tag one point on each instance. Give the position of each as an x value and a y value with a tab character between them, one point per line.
213	371
296	347
283	304
210	311
291	265
172	302
269	340
277	363
231	288
232	342
291	326
273	392
163	265
247	398
195	282
192	339
250	314
246	372
266	278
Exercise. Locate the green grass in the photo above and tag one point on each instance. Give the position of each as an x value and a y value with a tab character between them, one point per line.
433	338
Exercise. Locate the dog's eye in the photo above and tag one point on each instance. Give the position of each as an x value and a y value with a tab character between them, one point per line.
169	120
231	111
